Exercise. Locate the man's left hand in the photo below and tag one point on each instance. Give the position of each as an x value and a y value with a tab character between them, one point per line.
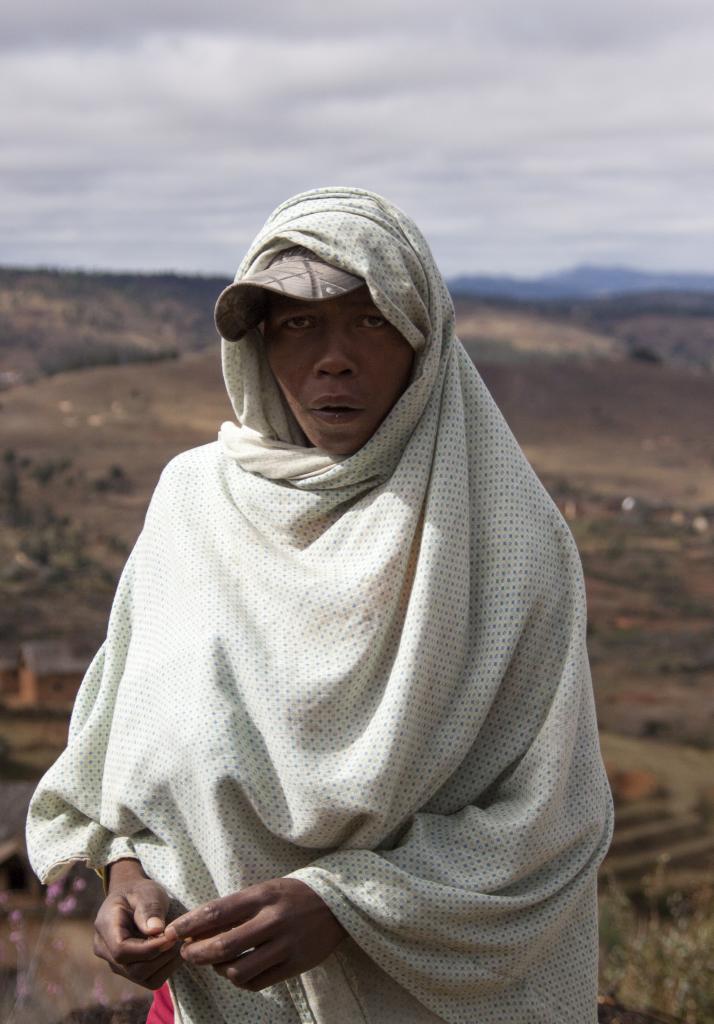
282	928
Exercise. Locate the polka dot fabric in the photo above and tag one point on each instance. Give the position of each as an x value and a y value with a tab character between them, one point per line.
373	679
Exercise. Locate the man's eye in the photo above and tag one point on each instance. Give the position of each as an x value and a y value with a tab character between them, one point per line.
373	320
297	322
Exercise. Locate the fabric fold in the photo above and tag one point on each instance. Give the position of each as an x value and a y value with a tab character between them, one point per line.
519	861
273	459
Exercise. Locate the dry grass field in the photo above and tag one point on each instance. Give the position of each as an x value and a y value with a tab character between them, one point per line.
615	428
60	970
82	450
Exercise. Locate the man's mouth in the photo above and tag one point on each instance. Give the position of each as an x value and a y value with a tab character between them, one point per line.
336	413
336	408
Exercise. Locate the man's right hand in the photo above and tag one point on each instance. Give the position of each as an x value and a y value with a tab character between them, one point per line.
128	929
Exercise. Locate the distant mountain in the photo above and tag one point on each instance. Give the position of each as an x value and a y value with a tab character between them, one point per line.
583	282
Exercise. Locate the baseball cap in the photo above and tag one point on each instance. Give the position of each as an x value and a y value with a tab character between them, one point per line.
296	271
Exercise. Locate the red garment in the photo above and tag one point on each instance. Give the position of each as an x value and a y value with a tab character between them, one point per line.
162	1008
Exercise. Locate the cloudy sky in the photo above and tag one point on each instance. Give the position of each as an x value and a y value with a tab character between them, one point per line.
523	136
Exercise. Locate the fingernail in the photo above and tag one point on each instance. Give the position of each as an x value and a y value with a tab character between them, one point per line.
155	922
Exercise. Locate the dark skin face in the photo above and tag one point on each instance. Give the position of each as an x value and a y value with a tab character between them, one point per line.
339	363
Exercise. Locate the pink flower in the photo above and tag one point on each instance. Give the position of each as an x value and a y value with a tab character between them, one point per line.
99	993
79	884
16	916
54	889
15	938
22	989
67	905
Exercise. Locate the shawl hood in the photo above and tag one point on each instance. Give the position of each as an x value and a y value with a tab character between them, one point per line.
360	232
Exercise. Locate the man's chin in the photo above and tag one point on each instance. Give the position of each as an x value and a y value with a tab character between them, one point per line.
337	446
335	439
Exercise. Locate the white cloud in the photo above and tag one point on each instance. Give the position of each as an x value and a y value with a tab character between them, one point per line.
519	137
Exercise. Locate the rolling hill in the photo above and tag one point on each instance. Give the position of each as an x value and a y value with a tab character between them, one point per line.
52	321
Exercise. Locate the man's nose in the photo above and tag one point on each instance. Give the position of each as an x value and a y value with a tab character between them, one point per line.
336	355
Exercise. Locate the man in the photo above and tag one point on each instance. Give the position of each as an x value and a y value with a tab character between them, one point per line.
343	719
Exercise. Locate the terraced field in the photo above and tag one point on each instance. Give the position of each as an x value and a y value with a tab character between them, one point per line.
649	832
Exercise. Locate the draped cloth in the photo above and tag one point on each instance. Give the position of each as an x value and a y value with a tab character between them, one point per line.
368	673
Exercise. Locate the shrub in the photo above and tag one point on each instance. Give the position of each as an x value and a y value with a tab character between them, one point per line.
661	958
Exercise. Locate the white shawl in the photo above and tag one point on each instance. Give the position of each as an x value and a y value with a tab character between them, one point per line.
371	676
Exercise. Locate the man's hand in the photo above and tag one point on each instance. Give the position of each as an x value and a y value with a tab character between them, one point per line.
281	927
128	930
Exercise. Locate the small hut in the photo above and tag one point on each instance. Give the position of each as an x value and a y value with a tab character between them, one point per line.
8	671
16	876
19	886
49	673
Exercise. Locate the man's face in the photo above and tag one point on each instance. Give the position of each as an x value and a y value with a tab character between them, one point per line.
340	365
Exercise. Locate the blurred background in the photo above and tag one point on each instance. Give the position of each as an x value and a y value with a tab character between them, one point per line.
559	158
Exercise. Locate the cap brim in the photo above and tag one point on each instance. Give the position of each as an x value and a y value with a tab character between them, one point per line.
242	305
239	308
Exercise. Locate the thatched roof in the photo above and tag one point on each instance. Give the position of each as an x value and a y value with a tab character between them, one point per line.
54	657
